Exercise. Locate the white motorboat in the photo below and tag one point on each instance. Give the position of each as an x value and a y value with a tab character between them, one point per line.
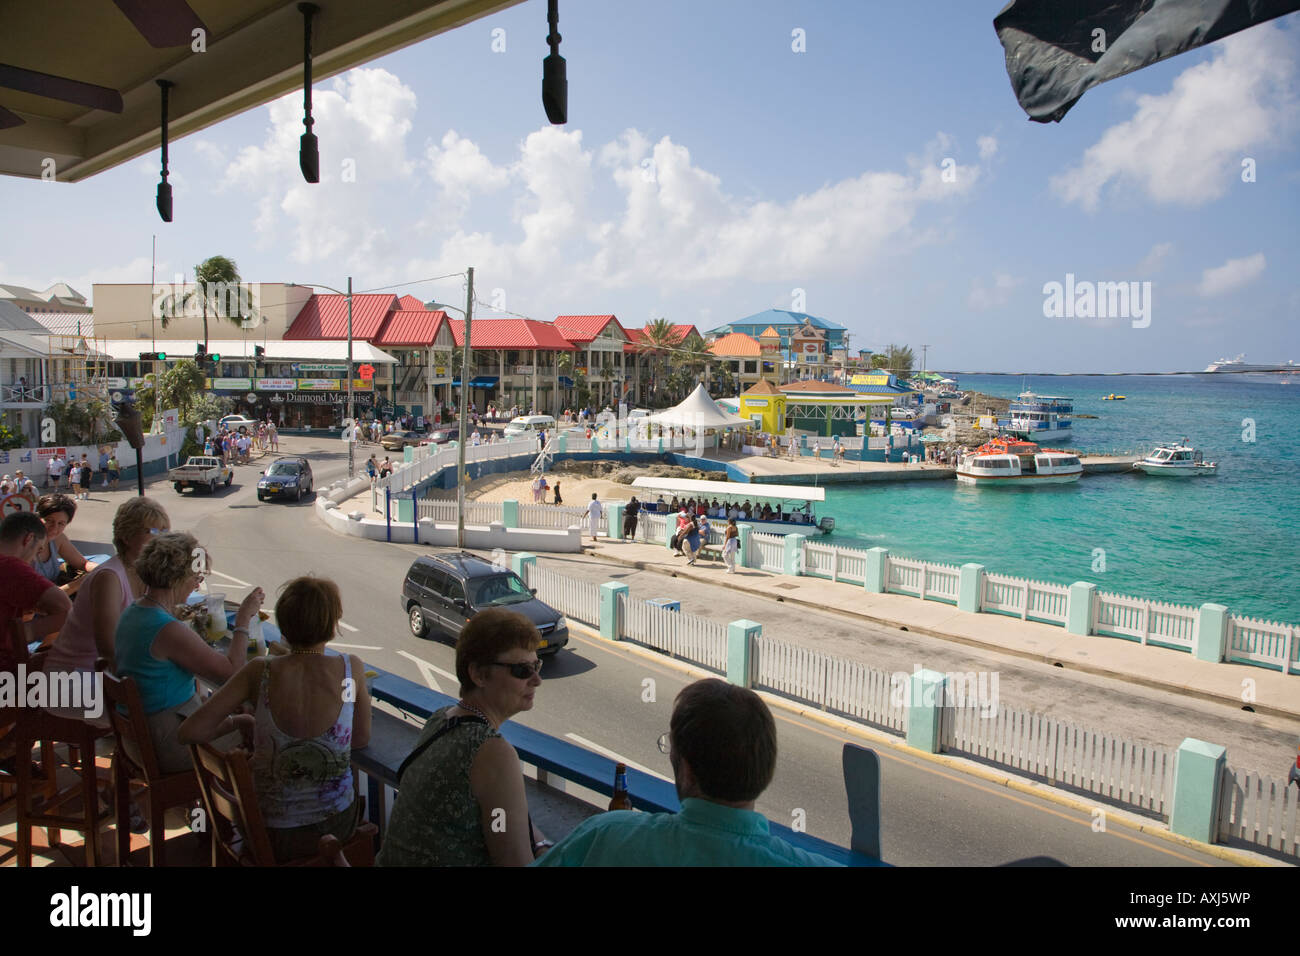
1179	460
1039	417
795	504
1008	462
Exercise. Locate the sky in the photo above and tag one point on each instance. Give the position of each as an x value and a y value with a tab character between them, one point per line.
865	162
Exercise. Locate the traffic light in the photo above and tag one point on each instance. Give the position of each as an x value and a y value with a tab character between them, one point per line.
201	357
259	352
153	356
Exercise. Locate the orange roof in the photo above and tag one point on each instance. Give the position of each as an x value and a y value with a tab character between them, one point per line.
768	333
584	328
736	343
761	387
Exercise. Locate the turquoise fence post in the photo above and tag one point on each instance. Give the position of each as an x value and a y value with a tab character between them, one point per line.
1198	784
522	560
609	592
740	647
1211	633
925	698
405	509
1078	615
615	510
877	562
564	443
971	588
408	453
792	559
510	513
661	444
746	546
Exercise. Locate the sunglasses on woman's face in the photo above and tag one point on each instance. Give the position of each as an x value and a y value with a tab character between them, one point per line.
523	670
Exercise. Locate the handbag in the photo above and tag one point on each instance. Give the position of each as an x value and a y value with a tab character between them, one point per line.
451	724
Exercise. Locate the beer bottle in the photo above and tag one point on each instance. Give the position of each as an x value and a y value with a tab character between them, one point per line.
621	800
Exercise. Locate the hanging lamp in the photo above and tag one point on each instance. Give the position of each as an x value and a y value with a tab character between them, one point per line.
308	149
555	85
164	200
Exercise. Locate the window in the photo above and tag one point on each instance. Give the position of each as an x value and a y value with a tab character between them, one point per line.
751	368
438	582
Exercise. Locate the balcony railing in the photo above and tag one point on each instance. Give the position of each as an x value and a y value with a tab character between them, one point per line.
24	395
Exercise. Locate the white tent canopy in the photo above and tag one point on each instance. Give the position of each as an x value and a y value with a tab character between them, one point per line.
697	411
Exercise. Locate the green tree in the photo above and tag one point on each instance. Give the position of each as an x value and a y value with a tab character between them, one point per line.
215	278
179	386
83	422
693	355
896	358
11	438
724	383
658	341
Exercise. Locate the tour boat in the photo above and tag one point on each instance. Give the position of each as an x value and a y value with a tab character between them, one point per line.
1039	417
796	502
1178	459
1012	462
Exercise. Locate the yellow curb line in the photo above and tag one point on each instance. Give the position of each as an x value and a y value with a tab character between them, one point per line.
1036	657
958	764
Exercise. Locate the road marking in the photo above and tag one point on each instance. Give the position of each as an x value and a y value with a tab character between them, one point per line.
617	758
347	627
427	671
243	584
356	647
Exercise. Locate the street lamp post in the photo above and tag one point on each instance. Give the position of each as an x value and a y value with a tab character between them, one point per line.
464	408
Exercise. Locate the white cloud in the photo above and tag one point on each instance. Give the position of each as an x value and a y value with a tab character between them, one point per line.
1186	146
988	147
459	167
1231	275
982	298
1155	259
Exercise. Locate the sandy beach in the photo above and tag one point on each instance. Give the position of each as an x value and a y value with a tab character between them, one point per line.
574	489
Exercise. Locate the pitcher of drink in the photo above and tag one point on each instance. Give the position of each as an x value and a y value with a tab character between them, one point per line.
216	604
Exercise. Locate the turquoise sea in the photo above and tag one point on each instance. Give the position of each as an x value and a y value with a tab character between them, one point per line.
1231	538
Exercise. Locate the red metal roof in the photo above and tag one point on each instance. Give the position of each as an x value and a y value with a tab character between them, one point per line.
409	327
410	302
511	334
326	316
581	329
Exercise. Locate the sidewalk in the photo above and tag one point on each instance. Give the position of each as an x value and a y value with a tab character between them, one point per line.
1276	694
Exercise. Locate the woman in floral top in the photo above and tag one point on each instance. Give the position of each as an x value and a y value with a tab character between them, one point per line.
309	715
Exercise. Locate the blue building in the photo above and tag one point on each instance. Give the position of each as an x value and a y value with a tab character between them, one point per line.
784	323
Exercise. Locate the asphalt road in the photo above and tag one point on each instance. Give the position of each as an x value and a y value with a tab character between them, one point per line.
595	693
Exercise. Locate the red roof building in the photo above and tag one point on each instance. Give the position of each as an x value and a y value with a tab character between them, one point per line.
326	316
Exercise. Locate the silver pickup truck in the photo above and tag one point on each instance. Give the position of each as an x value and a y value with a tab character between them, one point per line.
201	471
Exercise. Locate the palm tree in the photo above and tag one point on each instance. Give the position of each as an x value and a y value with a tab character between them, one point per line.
693	354
210	276
658	340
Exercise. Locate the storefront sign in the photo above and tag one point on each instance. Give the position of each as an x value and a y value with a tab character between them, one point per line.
50	452
318	384
756	402
366	371
359	384
233	384
303	367
276	384
524	369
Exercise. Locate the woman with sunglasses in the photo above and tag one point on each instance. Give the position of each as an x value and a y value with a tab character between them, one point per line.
165	655
57	511
108	590
461	798
309	714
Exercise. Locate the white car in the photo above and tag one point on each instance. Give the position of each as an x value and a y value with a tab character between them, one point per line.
238	423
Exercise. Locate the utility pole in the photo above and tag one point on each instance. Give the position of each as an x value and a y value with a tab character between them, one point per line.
352	445
924	349
464	416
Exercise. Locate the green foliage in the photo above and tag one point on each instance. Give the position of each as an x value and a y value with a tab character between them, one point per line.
179	386
210	406
83	422
723	383
207	274
11	438
896	358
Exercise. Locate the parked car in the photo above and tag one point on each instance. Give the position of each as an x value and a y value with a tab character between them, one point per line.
201	471
286	478
440	436
399	440
238	423
442	591
529	425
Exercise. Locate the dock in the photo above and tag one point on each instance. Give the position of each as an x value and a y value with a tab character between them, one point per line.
812	471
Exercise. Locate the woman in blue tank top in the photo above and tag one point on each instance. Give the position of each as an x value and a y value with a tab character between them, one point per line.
165	655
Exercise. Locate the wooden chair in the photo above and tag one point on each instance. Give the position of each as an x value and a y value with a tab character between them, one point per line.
238	833
38	800
136	763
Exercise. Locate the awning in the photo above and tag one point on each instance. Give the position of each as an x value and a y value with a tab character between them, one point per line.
483	381
566	382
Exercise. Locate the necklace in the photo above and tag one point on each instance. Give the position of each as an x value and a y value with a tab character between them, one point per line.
474	710
306	650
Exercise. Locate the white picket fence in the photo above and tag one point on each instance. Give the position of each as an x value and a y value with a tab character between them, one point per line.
1115	615
650	528
1259	811
1263	642
428	460
549	516
924	579
847	687
1027	600
770	551
1124	771
571	597
686	636
478	513
838	564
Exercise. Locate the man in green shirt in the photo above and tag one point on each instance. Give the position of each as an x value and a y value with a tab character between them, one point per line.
722	746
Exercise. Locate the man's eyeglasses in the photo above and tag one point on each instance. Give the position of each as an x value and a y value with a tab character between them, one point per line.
664	744
522	669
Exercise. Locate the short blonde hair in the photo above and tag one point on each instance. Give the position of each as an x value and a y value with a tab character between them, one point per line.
167	559
136	515
309	610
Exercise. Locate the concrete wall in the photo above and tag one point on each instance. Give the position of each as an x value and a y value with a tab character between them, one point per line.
444	535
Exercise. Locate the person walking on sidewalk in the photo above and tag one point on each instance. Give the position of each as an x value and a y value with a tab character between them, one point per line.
629	518
594	513
730	545
53	472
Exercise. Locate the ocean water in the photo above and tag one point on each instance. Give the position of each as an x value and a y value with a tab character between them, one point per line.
1232	538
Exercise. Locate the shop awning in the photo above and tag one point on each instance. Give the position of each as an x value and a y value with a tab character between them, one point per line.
566	382
482	381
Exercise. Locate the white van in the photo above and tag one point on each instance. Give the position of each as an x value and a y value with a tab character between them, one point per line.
529	425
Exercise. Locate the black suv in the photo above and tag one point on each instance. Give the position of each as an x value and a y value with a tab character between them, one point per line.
443	591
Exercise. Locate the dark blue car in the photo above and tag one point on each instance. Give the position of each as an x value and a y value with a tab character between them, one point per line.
286	478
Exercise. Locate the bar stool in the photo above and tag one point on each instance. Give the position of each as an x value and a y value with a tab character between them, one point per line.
38	801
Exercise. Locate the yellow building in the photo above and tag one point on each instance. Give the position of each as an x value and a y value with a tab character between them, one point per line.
764	405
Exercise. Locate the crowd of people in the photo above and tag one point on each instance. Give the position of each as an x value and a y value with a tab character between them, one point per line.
735	510
236	446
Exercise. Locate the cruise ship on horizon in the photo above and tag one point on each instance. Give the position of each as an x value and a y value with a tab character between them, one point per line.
1238	364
